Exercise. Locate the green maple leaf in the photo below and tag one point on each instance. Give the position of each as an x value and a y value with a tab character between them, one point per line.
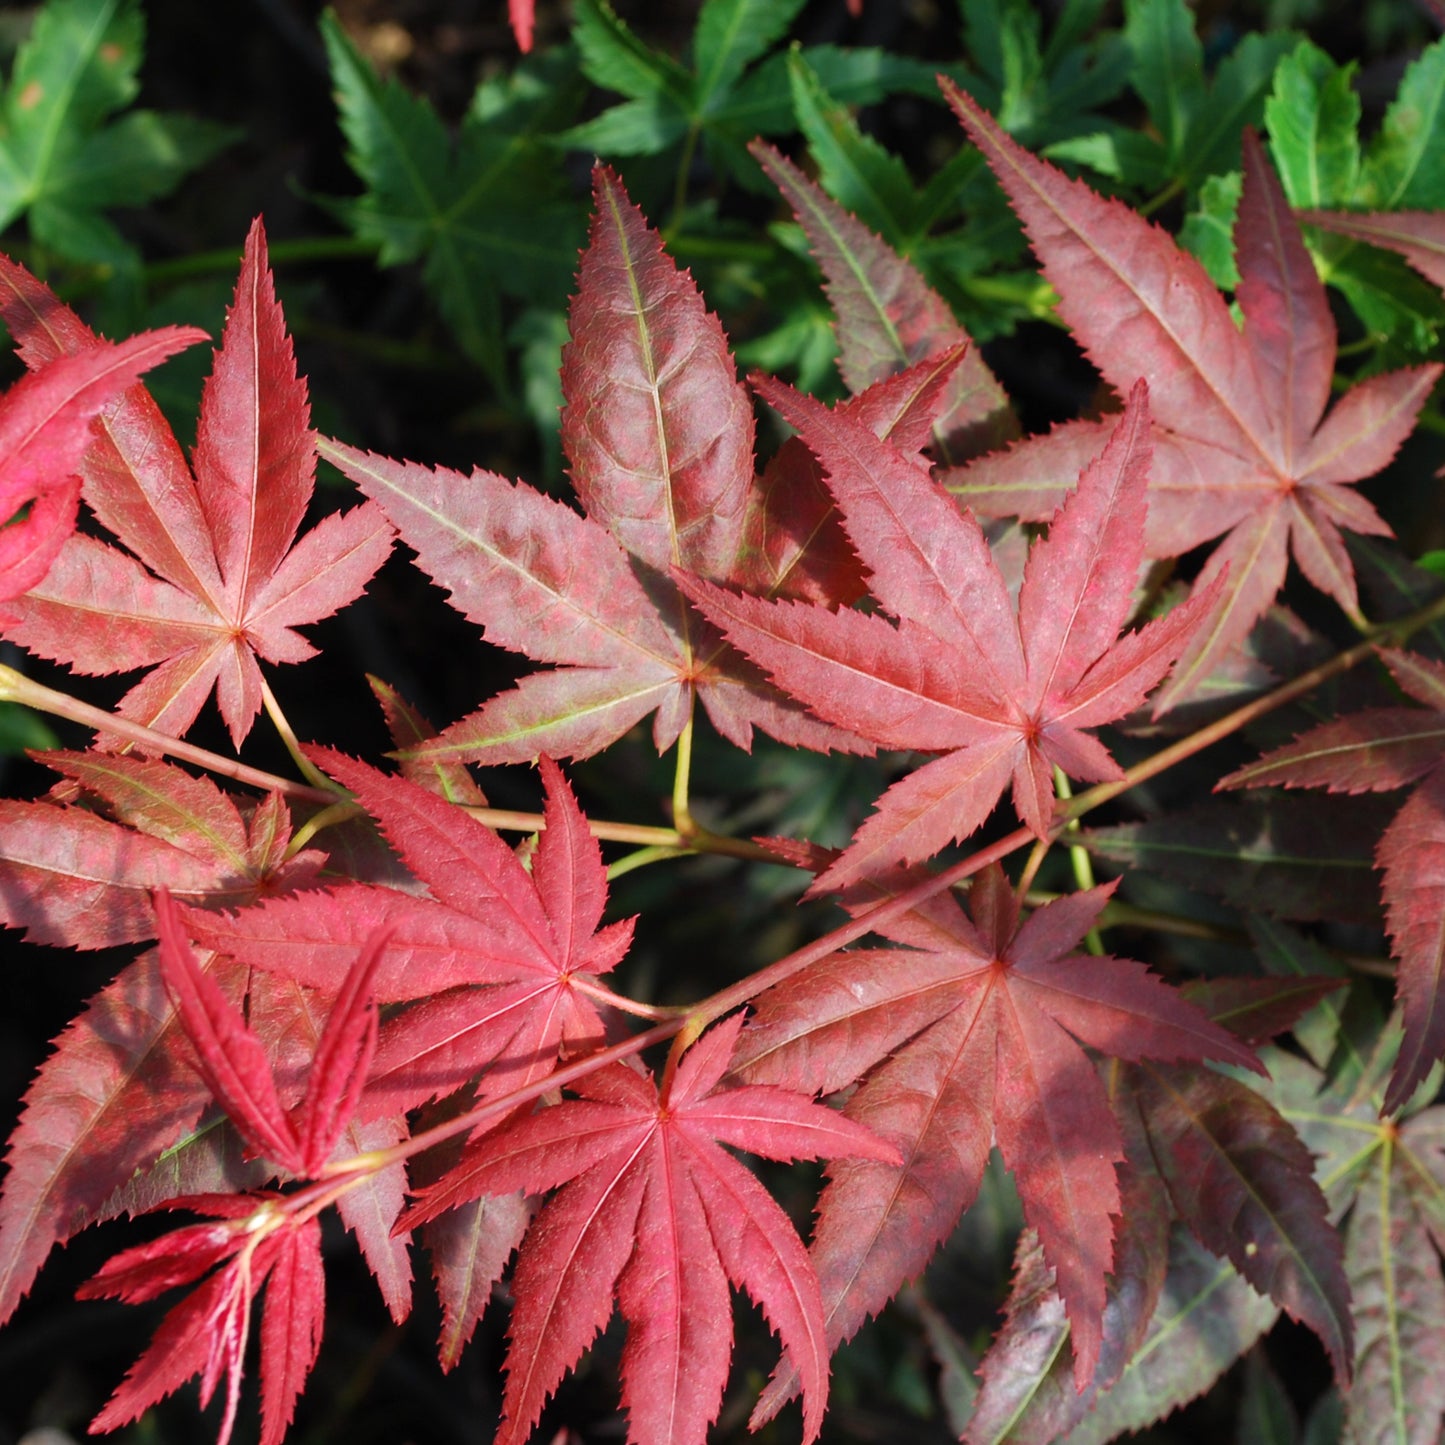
1313	115
487	211
1042	90
732	91
63	160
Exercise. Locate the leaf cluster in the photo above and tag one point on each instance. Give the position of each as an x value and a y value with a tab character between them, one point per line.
770	847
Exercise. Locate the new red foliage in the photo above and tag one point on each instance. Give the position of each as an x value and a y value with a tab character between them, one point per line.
659	435
499	965
264	1242
654	1219
45	429
1243	446
215	576
1005	694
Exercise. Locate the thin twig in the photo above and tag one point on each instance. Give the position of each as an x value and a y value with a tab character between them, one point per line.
16	687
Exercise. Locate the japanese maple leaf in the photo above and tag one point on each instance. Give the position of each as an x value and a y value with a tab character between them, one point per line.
499	965
654	1218
1205	1149
1004	697
963	1039
206	1333
79	879
44	430
215	576
1373	751
523	17
233	1060
659	435
888	317
116	1091
1418	236
1242	443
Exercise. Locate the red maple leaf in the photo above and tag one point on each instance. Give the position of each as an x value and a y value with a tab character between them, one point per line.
1242	442
116	1092
654	1218
1377	750
79	879
236	1066
261	1239
659	434
1004	696
888	317
963	1039
1418	236
206	1333
45	428
215	576
498	965
1204	1149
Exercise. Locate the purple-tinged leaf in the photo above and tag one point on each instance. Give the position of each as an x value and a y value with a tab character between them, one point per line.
1206	1319
1399	1387
1241	1179
1244	444
1288	856
888	317
1366	752
1412	854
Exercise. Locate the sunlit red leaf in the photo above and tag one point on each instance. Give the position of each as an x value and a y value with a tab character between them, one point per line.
654	1218
658	433
1244	446
495	963
45	429
215	576
1005	693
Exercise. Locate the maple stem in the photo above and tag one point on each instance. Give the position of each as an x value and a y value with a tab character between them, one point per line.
282	724
604	995
1163	198
337	812
1396	631
682	782
656	842
693	1020
679	192
1032	866
640	858
16	687
1079	859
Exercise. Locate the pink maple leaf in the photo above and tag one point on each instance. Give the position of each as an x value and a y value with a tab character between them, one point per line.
45	429
215	575
1003	695
1244	447
654	1218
